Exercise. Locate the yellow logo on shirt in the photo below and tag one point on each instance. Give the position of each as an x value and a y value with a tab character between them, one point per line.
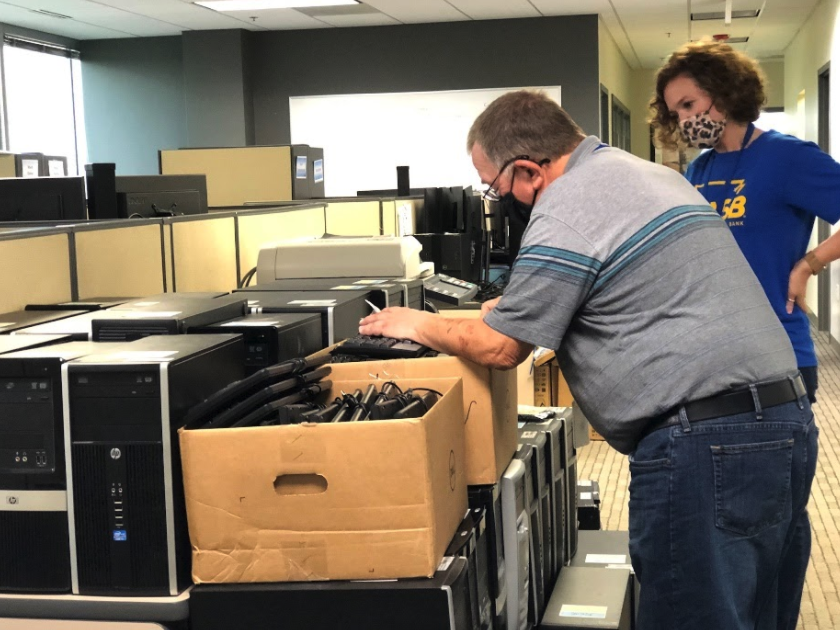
734	208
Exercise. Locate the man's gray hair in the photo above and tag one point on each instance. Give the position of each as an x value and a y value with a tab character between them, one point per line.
525	122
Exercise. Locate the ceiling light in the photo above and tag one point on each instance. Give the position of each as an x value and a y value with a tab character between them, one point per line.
260	5
60	16
721	15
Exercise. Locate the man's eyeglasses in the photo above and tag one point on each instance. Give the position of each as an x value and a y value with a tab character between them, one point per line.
492	194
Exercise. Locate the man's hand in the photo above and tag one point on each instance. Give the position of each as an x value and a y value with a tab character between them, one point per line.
797	285
488	306
397	322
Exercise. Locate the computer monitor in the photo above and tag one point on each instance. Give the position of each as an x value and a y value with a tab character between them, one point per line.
42	199
160	195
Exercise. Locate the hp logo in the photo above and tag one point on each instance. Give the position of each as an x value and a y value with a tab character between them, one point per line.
116	453
12	500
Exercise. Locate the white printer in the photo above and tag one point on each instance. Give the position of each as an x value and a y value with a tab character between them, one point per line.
342	257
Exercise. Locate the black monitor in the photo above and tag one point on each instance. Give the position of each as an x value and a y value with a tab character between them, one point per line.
42	199
143	196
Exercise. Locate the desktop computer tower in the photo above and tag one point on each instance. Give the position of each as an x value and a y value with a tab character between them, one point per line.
536	441
167	316
470	542
568	453
586	598
34	538
552	429
458	255
340	311
609	550
18	320
537	597
437	603
382	292
271	338
489	499
75	328
125	503
516	524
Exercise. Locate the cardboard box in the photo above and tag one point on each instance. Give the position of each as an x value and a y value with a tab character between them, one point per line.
489	414
364	500
547	383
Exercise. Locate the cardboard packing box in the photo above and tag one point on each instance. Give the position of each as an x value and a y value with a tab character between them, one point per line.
345	501
490	408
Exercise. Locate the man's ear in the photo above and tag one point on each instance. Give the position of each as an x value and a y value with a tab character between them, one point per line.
535	173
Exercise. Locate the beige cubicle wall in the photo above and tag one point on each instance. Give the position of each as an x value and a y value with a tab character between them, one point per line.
354	218
389	217
120	261
36	269
255	229
204	253
169	272
235	175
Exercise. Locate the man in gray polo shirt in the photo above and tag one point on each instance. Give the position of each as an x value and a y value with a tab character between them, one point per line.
671	349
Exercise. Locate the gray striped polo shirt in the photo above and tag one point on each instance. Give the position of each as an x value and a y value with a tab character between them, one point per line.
639	286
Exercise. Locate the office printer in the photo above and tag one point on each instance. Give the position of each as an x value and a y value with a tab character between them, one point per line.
331	257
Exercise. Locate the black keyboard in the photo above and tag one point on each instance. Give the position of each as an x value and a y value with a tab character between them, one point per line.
380	348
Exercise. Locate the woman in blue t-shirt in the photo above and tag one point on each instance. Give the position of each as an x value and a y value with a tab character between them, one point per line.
767	186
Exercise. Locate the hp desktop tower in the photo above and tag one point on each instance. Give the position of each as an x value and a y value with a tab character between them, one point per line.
537	583
517	541
271	338
557	474
125	503
542	492
489	499
34	539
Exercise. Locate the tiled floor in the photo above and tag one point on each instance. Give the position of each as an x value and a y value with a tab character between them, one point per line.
820	601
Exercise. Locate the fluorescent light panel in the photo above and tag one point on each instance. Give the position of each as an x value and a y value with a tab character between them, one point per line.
720	15
262	5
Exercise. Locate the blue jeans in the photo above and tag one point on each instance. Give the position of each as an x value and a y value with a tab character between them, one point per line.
719	532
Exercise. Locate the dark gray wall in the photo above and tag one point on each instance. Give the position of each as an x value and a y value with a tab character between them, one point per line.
134	101
425	57
218	102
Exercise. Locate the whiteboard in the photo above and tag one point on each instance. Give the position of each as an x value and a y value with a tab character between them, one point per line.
366	136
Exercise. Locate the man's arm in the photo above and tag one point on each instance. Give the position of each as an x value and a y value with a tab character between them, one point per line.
471	339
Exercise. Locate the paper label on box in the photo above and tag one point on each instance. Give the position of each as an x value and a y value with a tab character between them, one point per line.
529	435
585	483
318	171
257	322
586	612
586	496
313	302
444	564
604	558
300	167
628	567
56	168
29	168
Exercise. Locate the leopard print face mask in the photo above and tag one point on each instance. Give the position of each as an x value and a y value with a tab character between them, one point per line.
701	131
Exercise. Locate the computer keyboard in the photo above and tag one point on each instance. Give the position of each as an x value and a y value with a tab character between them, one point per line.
370	347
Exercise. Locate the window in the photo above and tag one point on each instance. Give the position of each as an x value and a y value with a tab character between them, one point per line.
44	101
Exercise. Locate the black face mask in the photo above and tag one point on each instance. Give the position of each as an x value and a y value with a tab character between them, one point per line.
517	211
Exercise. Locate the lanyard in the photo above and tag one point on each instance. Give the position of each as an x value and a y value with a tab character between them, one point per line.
707	170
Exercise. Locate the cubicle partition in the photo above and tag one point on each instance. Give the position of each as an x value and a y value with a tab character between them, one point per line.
136	257
120	259
37	267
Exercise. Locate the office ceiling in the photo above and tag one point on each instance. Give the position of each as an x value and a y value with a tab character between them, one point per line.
645	30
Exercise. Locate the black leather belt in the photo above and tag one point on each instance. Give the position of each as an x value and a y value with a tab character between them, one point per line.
741	401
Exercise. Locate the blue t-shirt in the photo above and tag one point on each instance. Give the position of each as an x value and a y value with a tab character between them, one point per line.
769	194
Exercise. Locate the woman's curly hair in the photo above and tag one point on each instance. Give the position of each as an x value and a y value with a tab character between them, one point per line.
733	80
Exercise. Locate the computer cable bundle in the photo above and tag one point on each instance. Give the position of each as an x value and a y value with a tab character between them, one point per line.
297	377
